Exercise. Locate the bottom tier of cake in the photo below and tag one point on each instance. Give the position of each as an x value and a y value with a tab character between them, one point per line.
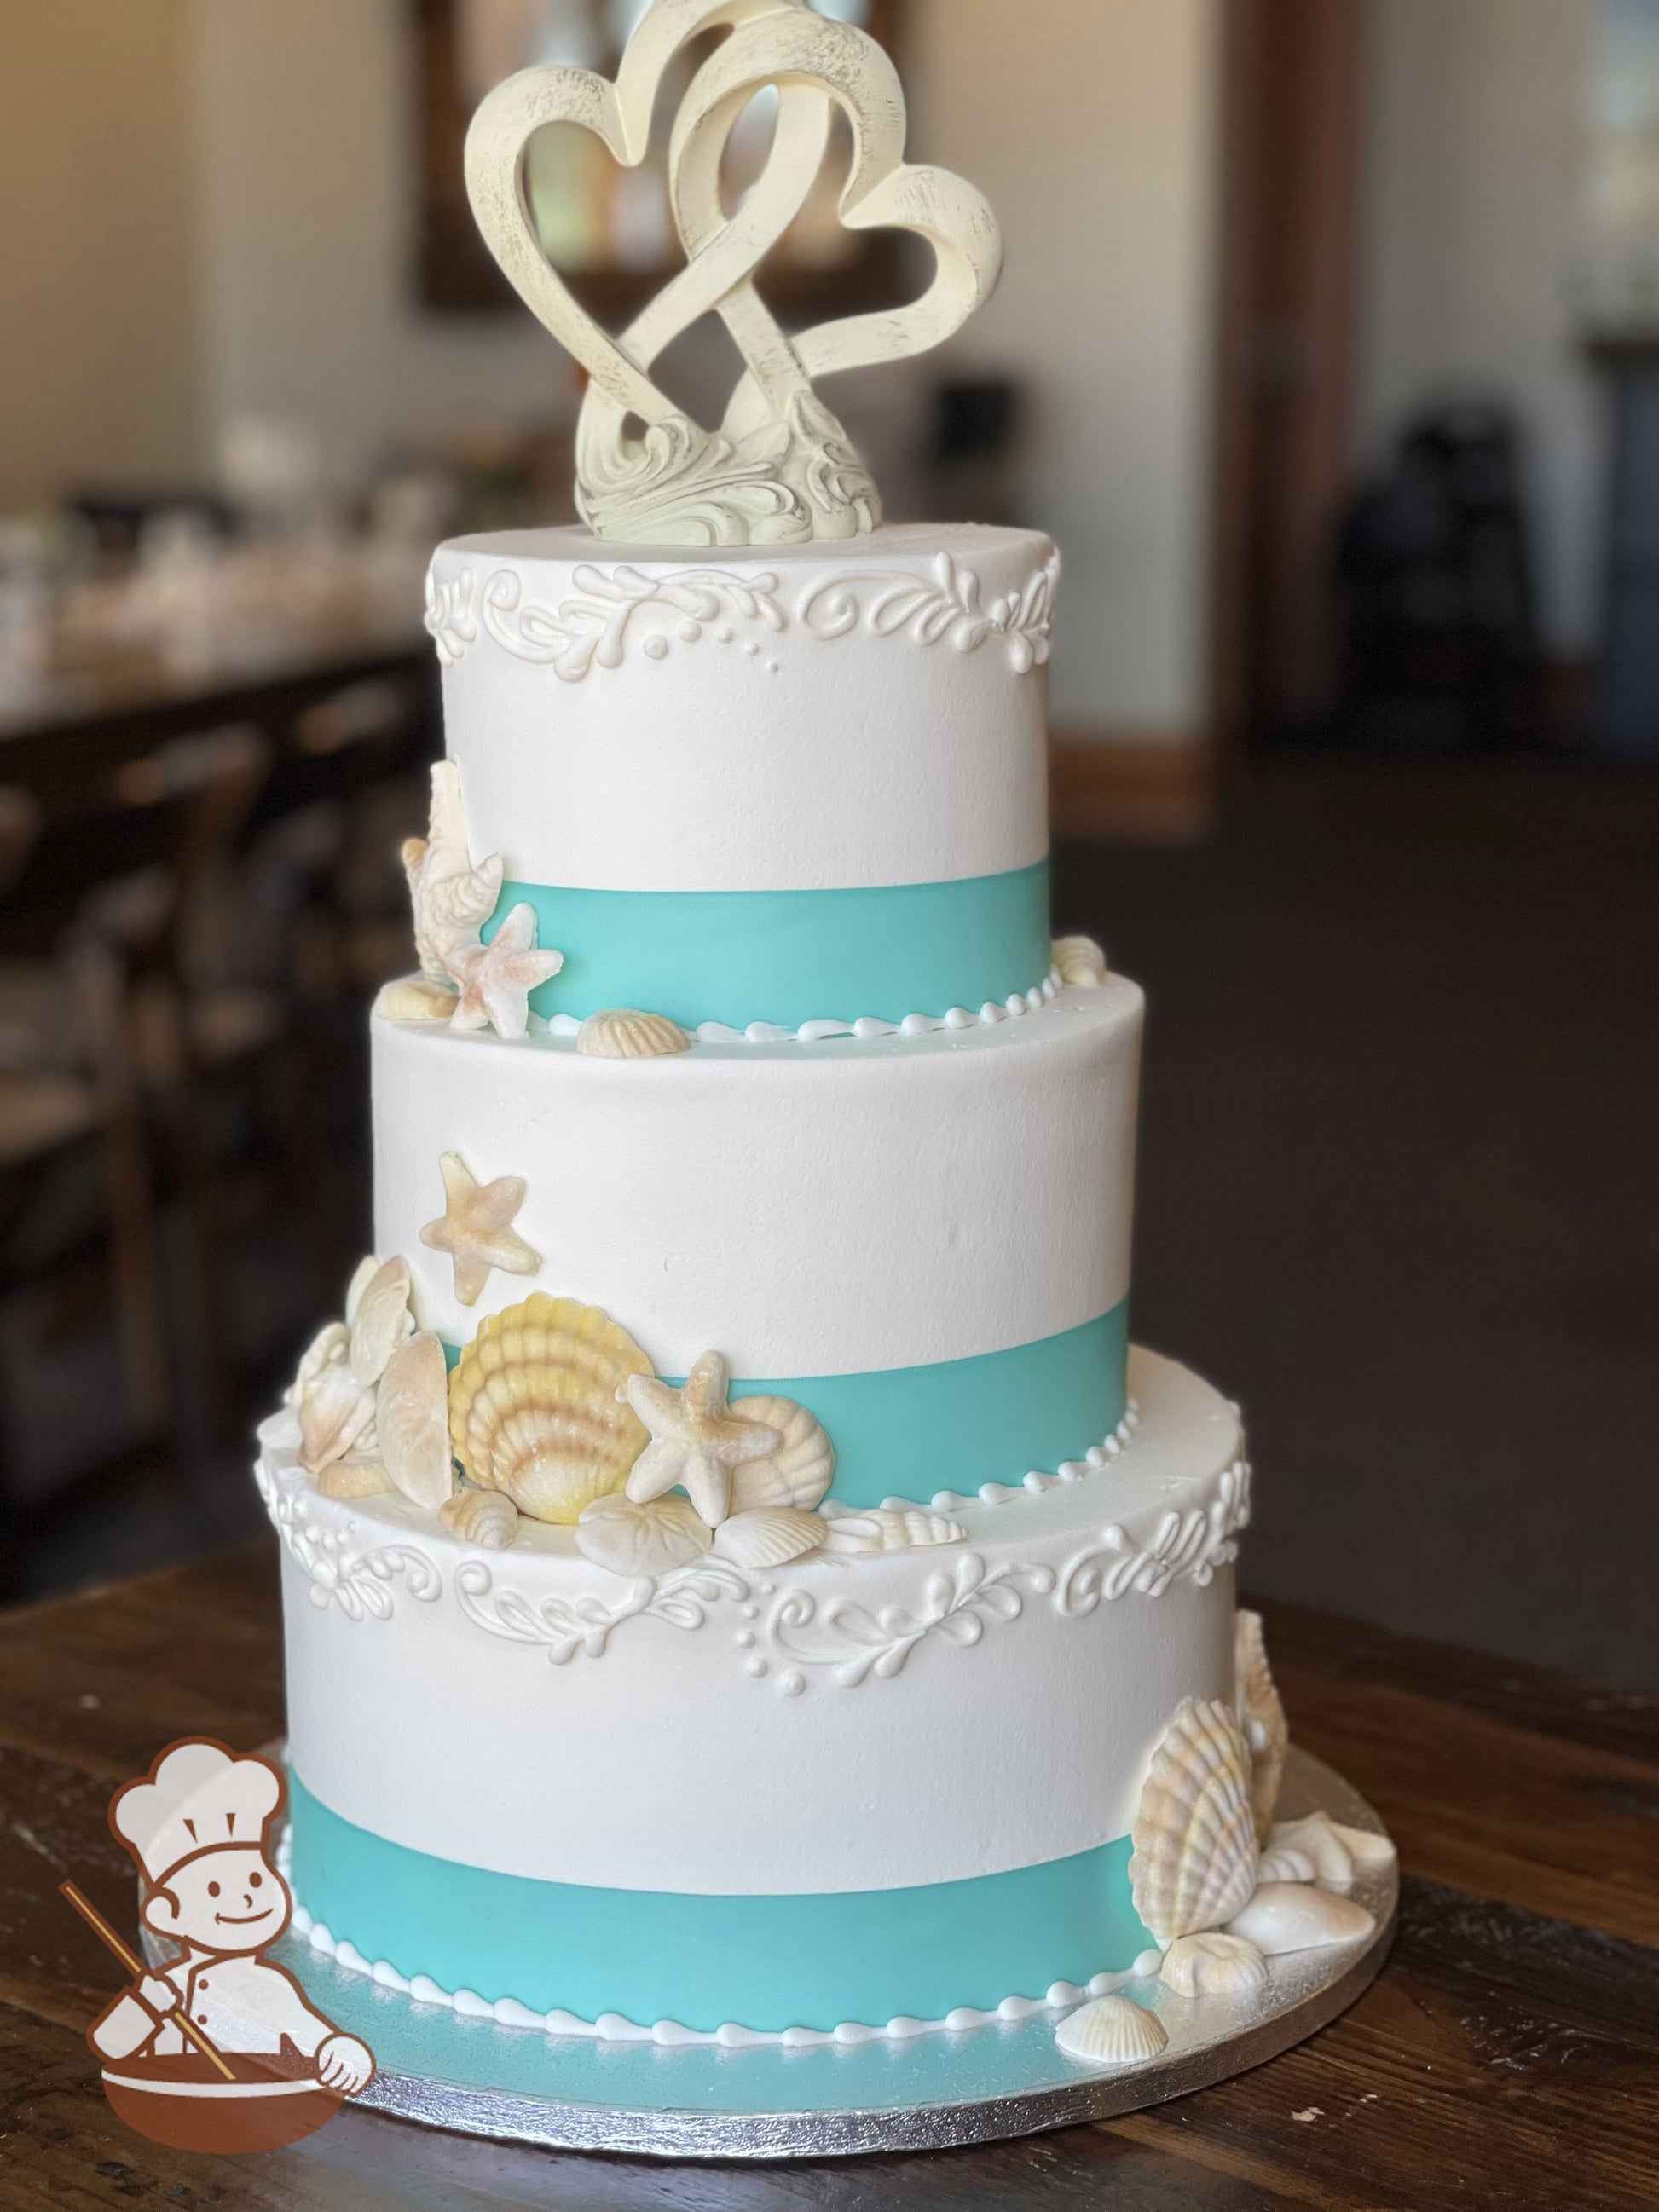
852	1795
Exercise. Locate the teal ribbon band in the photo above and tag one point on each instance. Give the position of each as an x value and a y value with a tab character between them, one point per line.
767	1963
909	1431
791	957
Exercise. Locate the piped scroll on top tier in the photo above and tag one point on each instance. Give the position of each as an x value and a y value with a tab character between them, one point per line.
780	469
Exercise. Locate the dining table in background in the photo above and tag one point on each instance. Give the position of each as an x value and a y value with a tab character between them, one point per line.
1507	2056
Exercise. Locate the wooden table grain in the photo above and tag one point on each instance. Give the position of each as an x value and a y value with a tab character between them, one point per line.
1508	2056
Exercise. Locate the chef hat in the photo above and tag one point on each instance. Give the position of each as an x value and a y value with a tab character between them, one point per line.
199	1797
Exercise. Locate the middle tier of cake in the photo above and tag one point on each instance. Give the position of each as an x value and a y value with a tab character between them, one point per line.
923	1240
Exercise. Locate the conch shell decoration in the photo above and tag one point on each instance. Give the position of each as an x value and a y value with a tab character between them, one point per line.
463	980
371	1396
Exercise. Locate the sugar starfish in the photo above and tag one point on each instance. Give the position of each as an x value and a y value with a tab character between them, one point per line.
496	978
696	1441
476	1229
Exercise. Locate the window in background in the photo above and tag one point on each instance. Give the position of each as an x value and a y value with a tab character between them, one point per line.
610	229
1620	279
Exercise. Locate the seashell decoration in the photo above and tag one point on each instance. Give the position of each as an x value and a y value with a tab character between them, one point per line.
861	1535
1112	2032
354	1477
642	1540
411	1421
1211	1965
798	1473
1336	1853
452	899
483	1517
770	1536
696	1442
380	1318
1262	1716
412	999
622	1034
1195	1850
1285	1864
1285	1916
336	1411
534	1411
1080	960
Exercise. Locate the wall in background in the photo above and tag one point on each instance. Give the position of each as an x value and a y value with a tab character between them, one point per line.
1090	126
309	203
97	356
1478	123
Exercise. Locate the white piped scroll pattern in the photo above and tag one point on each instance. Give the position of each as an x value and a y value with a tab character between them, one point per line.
780	468
593	628
949	608
359	1581
1193	1546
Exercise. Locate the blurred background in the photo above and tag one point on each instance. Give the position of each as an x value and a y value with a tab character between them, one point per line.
1328	349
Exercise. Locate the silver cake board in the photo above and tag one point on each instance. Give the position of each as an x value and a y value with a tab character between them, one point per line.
934	2092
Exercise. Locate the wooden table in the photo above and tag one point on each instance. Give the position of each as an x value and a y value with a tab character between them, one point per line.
1508	2056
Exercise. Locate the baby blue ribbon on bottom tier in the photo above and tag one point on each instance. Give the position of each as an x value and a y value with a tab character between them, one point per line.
766	1963
791	957
912	1431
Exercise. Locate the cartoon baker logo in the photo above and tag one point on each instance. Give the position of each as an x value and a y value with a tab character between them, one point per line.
217	2049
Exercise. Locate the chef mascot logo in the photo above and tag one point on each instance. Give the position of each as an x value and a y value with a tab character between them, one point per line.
217	2049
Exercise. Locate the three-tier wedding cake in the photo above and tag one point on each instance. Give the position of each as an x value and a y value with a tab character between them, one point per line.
741	1582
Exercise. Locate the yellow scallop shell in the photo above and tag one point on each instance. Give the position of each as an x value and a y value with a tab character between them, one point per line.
533	1409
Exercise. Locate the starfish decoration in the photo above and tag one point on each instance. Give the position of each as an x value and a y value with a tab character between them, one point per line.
696	1441
477	1230
496	980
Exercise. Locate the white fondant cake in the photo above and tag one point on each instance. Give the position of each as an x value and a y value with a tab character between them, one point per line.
739	1581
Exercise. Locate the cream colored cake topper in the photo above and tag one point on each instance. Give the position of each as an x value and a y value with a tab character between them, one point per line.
780	468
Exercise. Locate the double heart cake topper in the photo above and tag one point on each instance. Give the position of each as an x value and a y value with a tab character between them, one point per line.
780	469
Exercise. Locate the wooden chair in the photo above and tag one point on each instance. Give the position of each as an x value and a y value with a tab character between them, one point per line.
91	894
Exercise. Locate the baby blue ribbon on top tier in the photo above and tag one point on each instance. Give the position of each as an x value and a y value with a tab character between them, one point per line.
791	957
767	1963
911	1432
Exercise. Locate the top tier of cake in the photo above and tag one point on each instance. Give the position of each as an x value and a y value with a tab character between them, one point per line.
792	785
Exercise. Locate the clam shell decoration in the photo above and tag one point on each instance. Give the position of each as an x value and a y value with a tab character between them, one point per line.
1261	1716
1213	1966
1112	2032
1285	1916
861	1535
411	1421
770	1536
483	1517
798	1473
642	1540
1196	1851
412	999
353	1478
534	1410
622	1034
1080	960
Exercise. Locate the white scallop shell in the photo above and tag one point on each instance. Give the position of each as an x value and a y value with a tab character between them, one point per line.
1212	1965
1262	1716
1285	1916
642	1540
328	1348
770	1536
1196	1851
798	1473
411	1421
534	1407
356	1477
861	1535
483	1517
1080	960
380	1320
624	1034
1112	2032
412	999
